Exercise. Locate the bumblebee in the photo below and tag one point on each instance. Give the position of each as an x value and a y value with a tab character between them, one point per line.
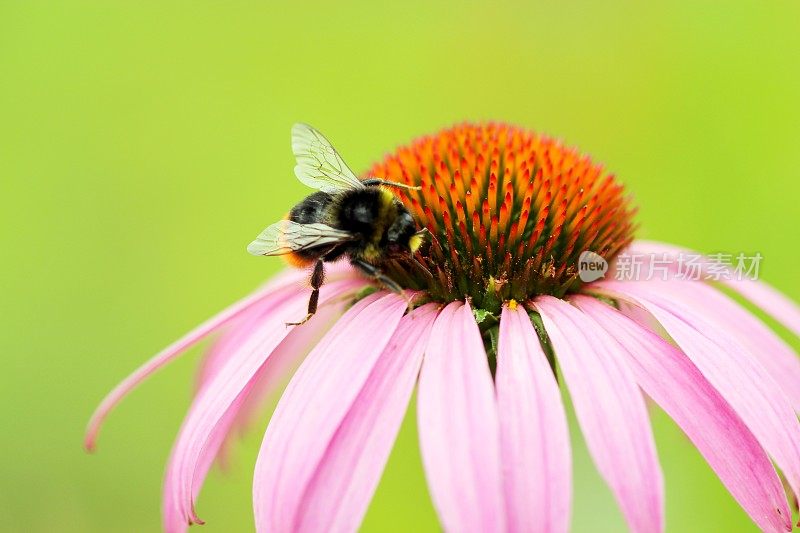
347	217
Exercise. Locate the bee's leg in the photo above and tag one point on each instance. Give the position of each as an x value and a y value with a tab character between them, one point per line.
317	278
376	274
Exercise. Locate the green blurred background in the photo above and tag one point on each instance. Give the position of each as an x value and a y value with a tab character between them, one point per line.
142	145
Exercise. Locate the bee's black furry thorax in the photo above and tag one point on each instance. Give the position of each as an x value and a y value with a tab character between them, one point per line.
379	221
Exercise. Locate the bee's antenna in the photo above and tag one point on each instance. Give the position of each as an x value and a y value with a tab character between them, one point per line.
378	181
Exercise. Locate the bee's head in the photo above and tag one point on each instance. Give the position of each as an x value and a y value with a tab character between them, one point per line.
402	236
417	239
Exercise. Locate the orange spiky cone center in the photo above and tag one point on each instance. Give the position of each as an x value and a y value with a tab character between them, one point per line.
509	212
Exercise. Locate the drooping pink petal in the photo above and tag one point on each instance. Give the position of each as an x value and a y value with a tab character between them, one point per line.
770	300
283	362
313	406
230	338
273	291
174	519
193	456
220	352
741	380
610	410
777	357
196	448
535	448
759	292
458	426
292	280
281	367
338	495
674	383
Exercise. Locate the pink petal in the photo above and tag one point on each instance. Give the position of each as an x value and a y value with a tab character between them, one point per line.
740	379
229	343
458	426
273	291
207	421
759	292
266	382
673	382
174	517
610	410
770	300
777	357
338	495
296	280
313	406
213	413
535	448
282	363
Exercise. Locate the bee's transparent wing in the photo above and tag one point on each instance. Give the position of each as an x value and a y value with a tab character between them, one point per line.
318	164
285	237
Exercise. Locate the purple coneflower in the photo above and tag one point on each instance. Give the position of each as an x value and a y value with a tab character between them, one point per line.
504	316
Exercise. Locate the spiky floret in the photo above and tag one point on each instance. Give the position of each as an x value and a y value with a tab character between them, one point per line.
509	212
